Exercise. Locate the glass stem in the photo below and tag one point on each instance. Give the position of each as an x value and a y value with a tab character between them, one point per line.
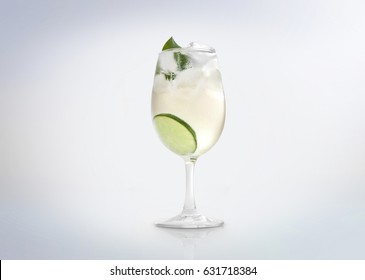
189	205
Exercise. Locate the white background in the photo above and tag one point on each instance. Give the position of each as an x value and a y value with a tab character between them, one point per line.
84	176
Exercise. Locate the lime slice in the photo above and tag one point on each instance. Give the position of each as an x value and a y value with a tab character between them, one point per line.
176	134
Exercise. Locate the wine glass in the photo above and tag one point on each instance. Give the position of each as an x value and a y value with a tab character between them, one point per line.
188	111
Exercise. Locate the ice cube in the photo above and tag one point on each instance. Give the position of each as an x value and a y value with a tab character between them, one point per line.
200	47
199	54
189	78
167	62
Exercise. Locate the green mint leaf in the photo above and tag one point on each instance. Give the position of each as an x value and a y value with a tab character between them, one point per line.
170	76
182	61
170	44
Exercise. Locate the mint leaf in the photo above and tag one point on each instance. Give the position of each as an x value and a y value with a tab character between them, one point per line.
170	76
182	61
170	44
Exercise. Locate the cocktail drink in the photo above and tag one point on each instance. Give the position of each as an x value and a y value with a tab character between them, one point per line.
188	111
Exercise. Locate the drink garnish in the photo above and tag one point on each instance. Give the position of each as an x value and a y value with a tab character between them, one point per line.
170	44
176	134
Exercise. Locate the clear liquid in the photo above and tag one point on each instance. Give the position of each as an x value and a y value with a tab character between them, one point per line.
194	94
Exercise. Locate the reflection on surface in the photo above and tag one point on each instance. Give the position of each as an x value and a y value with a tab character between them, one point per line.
190	238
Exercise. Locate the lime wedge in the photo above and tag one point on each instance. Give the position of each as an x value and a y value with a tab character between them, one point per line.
176	134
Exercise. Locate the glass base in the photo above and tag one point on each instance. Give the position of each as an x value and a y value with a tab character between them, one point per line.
190	221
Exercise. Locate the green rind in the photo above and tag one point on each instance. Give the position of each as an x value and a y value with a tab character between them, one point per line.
185	125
